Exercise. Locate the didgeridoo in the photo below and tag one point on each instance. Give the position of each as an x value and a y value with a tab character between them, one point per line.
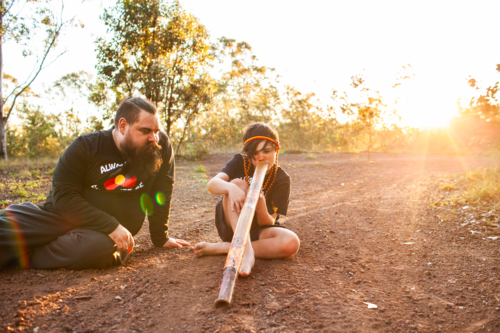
237	249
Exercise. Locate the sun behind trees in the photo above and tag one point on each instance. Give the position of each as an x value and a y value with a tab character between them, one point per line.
205	90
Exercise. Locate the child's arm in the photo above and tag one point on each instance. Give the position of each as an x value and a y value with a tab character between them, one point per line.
220	185
263	216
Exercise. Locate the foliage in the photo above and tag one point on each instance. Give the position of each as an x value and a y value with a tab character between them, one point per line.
246	92
36	136
156	49
160	51
302	122
76	89
366	111
21	20
478	123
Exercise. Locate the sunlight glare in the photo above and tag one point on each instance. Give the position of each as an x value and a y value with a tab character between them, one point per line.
426	102
427	112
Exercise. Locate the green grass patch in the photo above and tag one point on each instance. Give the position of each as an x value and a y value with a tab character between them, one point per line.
21	193
37	198
200	169
311	157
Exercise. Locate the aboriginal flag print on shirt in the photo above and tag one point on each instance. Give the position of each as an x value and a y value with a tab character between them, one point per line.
118	181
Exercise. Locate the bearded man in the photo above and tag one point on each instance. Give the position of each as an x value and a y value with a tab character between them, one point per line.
102	187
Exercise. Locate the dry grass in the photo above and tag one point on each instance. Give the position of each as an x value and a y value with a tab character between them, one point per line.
478	189
17	164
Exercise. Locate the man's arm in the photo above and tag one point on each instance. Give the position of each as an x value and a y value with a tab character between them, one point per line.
162	197
67	191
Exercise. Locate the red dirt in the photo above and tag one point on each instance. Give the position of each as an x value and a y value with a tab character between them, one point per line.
367	235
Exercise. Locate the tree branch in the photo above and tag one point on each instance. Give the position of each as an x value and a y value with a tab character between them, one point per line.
25	86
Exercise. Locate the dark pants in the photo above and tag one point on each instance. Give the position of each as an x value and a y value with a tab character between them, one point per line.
31	237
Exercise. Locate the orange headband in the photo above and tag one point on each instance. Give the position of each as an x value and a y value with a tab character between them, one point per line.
264	138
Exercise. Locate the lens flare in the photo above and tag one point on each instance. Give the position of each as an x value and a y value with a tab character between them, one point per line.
160	198
17	235
147	204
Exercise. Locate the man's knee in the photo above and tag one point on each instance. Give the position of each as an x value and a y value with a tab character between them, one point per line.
78	249
96	250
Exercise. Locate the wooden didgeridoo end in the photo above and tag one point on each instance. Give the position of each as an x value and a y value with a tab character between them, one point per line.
226	287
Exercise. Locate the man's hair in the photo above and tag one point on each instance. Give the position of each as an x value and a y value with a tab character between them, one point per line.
258	129
130	108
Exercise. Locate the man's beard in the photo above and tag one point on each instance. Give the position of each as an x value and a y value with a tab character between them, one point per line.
143	162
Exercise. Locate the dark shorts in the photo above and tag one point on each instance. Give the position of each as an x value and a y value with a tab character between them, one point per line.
226	232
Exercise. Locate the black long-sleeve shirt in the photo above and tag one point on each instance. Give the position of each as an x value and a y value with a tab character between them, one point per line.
90	191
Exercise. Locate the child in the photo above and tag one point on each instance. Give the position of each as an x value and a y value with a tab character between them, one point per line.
269	240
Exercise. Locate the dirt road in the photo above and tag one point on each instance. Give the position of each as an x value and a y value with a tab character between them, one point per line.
367	235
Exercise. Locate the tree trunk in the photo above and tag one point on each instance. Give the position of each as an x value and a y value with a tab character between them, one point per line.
3	119
3	140
181	140
188	122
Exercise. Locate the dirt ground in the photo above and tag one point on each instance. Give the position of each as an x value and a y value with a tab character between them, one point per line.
368	235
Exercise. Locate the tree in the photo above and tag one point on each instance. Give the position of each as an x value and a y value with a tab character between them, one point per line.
478	123
159	51
37	134
365	110
245	93
75	89
485	107
18	21
247	85
300	119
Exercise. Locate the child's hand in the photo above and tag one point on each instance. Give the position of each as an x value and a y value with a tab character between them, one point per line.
236	198
261	203
262	196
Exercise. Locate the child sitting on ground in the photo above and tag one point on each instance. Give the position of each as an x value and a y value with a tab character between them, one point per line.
269	239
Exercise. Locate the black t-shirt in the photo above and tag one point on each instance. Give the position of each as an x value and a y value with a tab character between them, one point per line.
278	195
90	191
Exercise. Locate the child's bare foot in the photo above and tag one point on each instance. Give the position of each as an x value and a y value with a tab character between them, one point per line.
247	262
211	249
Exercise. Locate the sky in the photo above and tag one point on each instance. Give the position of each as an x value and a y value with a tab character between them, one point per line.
317	46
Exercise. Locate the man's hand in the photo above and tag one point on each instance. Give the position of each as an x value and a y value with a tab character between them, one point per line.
172	242
122	238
